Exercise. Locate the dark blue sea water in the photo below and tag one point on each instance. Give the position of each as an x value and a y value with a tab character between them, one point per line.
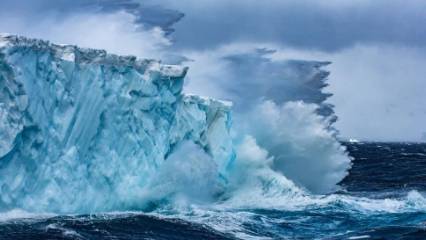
381	198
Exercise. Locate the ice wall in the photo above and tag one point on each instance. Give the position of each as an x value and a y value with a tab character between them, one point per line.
82	130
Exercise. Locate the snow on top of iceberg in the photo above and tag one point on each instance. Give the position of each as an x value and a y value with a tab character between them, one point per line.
4	35
73	53
3	39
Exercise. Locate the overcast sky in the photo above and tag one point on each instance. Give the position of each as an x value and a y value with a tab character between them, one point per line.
378	50
378	47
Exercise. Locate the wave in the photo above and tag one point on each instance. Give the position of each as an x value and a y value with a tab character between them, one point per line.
262	220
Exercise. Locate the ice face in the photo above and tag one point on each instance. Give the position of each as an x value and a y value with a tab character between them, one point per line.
82	130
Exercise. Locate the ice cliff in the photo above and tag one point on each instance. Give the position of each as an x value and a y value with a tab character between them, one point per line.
83	130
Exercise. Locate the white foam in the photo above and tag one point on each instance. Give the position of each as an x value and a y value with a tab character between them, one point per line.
359	237
304	149
22	214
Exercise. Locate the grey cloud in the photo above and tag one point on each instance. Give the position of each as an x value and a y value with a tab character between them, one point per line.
114	25
148	15
248	75
379	92
323	25
308	24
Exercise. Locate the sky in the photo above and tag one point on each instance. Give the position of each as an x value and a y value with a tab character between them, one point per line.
377	48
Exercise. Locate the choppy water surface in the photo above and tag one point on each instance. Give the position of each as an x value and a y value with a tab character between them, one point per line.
381	198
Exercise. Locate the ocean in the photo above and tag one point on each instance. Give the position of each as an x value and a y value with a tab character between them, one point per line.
381	198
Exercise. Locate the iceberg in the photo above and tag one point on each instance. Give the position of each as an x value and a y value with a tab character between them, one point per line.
85	131
82	130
